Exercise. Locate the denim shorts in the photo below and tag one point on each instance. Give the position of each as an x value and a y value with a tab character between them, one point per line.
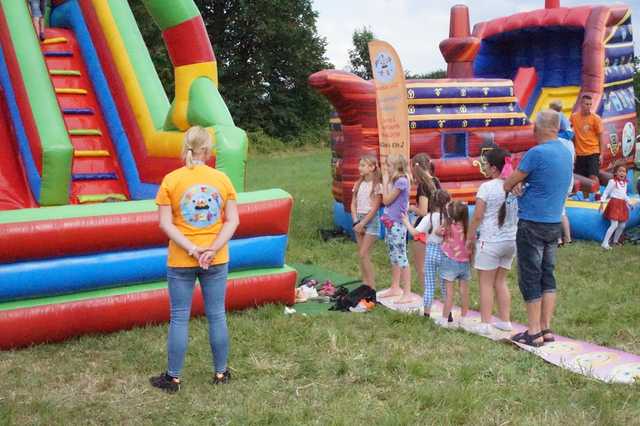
537	243
373	226
452	270
34	6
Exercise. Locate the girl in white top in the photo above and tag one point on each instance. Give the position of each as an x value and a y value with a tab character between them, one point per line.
617	210
433	254
365	203
494	225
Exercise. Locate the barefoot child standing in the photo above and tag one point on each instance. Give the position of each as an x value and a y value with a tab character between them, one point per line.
366	200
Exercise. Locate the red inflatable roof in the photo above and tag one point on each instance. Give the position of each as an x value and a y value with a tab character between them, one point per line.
559	17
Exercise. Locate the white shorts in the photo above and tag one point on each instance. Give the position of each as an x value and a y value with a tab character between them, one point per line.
490	256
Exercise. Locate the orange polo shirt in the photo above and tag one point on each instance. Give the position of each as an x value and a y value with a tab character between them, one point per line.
197	198
587	129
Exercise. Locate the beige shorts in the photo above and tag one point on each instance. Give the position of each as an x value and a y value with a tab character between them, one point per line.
490	256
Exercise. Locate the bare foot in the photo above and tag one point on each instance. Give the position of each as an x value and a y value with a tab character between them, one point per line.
389	292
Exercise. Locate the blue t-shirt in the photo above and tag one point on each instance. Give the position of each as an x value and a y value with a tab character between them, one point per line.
565	131
549	170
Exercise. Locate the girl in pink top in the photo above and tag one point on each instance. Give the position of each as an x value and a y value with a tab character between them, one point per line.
455	262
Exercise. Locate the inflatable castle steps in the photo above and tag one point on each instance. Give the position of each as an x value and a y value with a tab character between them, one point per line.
109	260
455	104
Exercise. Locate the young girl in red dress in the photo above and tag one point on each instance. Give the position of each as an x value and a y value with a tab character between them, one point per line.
617	210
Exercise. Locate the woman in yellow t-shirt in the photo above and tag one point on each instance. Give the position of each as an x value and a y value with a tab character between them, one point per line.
199	214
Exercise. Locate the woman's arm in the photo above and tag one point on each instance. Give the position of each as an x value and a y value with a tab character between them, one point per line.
166	224
478	214
231	222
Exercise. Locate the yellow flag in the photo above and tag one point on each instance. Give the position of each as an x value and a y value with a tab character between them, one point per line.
391	100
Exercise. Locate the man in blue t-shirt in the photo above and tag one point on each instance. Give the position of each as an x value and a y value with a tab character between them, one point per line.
542	179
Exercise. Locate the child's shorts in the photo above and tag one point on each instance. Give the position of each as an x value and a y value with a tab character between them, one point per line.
451	270
34	6
490	256
372	227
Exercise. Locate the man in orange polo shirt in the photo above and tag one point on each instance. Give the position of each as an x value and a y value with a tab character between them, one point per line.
588	130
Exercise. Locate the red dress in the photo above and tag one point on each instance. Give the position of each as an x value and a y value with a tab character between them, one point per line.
617	208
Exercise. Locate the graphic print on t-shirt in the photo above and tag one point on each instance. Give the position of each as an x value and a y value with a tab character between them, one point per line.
200	206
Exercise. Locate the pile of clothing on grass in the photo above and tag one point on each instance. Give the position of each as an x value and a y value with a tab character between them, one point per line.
360	299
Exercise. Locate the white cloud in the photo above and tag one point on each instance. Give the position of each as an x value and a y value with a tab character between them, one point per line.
416	27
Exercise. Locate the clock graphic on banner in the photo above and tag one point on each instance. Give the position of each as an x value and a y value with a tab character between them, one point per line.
384	67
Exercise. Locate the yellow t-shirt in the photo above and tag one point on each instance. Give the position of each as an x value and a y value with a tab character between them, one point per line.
197	198
587	131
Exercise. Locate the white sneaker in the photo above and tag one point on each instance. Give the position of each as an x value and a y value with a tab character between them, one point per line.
482	328
503	325
606	246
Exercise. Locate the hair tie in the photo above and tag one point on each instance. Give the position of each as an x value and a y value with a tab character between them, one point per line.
507	169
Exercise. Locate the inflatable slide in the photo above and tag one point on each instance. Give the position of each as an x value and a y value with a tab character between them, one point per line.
86	135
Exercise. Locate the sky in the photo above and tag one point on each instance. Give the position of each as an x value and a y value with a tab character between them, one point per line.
415	28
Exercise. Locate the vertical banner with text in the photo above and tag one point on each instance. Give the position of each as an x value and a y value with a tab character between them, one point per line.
391	100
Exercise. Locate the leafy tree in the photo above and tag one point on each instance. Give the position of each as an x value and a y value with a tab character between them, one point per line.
266	50
359	55
429	75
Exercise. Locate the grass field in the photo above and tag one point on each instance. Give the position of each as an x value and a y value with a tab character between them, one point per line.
378	368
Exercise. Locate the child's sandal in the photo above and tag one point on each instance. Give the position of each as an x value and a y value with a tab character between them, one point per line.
525	338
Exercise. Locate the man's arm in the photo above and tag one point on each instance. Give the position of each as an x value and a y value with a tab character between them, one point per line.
516	177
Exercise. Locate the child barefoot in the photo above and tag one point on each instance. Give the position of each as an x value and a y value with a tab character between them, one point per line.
455	262
366	200
395	196
617	210
433	256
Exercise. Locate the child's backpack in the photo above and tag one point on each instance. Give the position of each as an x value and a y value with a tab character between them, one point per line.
345	299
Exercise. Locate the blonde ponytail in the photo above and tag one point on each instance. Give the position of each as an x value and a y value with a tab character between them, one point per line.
196	139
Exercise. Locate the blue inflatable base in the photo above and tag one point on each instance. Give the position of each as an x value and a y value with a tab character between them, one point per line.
587	223
51	277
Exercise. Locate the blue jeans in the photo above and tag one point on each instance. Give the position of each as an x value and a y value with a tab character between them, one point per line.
213	284
536	243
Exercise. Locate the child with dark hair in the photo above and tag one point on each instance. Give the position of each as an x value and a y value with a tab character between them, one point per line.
422	169
492	234
428	230
617	210
455	260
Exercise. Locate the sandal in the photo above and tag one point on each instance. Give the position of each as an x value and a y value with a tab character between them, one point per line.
546	332
525	338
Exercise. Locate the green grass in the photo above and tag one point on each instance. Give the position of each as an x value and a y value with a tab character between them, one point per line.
380	368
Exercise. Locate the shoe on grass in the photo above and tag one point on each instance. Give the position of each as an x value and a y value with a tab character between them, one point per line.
222	378
165	382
